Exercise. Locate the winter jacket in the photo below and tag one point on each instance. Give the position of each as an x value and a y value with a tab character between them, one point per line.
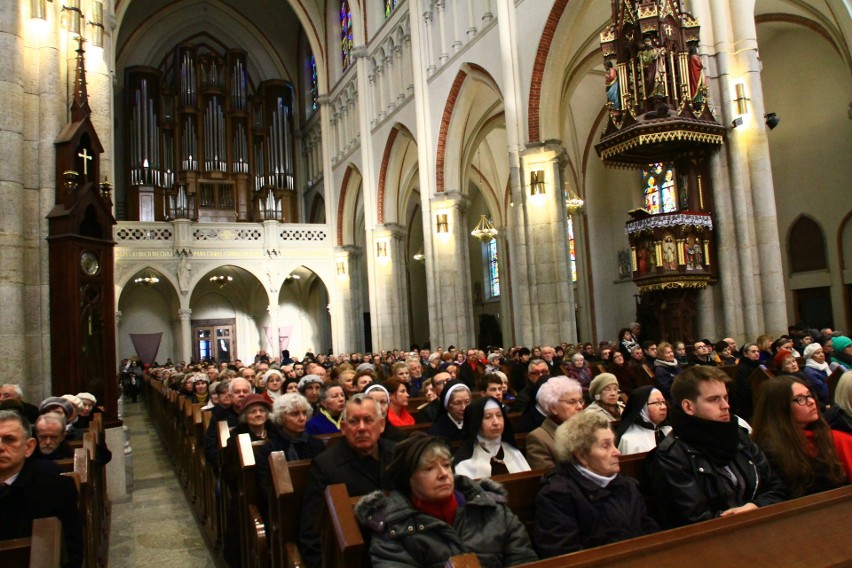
688	488
573	513
484	524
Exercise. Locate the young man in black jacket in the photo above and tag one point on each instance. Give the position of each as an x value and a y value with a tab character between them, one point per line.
707	467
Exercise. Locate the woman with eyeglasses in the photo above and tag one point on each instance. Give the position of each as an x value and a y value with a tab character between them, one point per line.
450	422
807	455
643	422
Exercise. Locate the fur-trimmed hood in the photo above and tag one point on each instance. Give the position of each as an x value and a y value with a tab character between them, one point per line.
377	511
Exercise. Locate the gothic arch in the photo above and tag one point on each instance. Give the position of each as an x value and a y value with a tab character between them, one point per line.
348	206
399	162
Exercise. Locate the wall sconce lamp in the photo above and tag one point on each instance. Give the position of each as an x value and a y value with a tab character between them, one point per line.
97	24
38	10
382	250
442	223
772	120
742	99
72	16
537	182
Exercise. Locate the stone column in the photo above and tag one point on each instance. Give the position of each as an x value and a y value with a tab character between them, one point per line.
348	261
13	356
451	316
185	315
390	309
545	309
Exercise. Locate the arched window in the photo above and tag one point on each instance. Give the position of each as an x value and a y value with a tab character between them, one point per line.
314	90
389	6
572	250
806	246
345	33
492	269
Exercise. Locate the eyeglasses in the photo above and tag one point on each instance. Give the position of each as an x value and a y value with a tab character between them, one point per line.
657	403
440	383
803	399
572	401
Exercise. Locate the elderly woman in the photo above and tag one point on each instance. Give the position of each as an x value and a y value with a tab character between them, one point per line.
331	403
346	379
805	453
560	398
839	416
309	387
433	515
841	352
816	372
584	502
274	381
579	371
89	408
382	399
398	414
489	448
666	368
604	394
643	421
455	398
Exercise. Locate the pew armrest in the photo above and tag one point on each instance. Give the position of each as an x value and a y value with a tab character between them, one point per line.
468	560
294	557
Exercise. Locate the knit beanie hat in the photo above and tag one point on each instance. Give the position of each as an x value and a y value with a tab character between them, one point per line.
406	458
810	350
599	383
779	358
840	343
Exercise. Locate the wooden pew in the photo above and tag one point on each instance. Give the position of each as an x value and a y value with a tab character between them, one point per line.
731	371
759	538
833	379
42	550
286	493
343	543
253	542
224	434
758	377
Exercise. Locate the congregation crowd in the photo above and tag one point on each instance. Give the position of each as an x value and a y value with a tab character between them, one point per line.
715	447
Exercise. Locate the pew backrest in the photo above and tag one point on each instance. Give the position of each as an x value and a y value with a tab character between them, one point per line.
42	550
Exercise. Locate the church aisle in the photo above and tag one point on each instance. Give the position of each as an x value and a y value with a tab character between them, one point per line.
155	525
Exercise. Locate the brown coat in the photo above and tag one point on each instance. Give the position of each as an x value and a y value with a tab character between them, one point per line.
541	442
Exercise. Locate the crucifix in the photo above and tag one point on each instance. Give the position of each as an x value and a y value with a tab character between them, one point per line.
86	157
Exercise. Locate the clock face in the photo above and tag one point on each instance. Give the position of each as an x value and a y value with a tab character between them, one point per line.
90	263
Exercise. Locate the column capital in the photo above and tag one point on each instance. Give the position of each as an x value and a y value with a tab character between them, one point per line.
393	230
453	199
184	313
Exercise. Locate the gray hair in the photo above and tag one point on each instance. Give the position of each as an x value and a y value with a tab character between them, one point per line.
358	400
290	402
535	362
52	417
577	434
7	415
17	388
232	382
550	392
323	394
576	356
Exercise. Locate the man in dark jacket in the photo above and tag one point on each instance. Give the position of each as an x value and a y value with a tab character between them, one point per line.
707	467
34	489
50	433
743	400
359	461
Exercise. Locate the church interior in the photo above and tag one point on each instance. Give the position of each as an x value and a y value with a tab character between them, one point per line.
356	176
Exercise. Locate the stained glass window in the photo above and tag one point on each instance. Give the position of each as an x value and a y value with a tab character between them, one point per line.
492	268
389	6
572	251
313	65
346	33
659	188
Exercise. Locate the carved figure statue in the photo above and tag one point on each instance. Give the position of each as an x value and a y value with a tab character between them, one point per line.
654	65
669	253
613	90
697	81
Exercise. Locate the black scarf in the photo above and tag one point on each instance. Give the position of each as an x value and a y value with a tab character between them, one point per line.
717	441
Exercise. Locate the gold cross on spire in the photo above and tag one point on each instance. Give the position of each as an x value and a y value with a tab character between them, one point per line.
86	158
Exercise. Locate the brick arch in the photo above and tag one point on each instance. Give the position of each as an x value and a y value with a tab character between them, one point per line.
341	204
534	125
380	199
447	117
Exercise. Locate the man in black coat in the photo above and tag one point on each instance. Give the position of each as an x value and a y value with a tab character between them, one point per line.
50	434
707	467
359	461
228	411
13	392
34	489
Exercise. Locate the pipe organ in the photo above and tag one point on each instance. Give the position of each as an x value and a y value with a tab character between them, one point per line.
204	143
